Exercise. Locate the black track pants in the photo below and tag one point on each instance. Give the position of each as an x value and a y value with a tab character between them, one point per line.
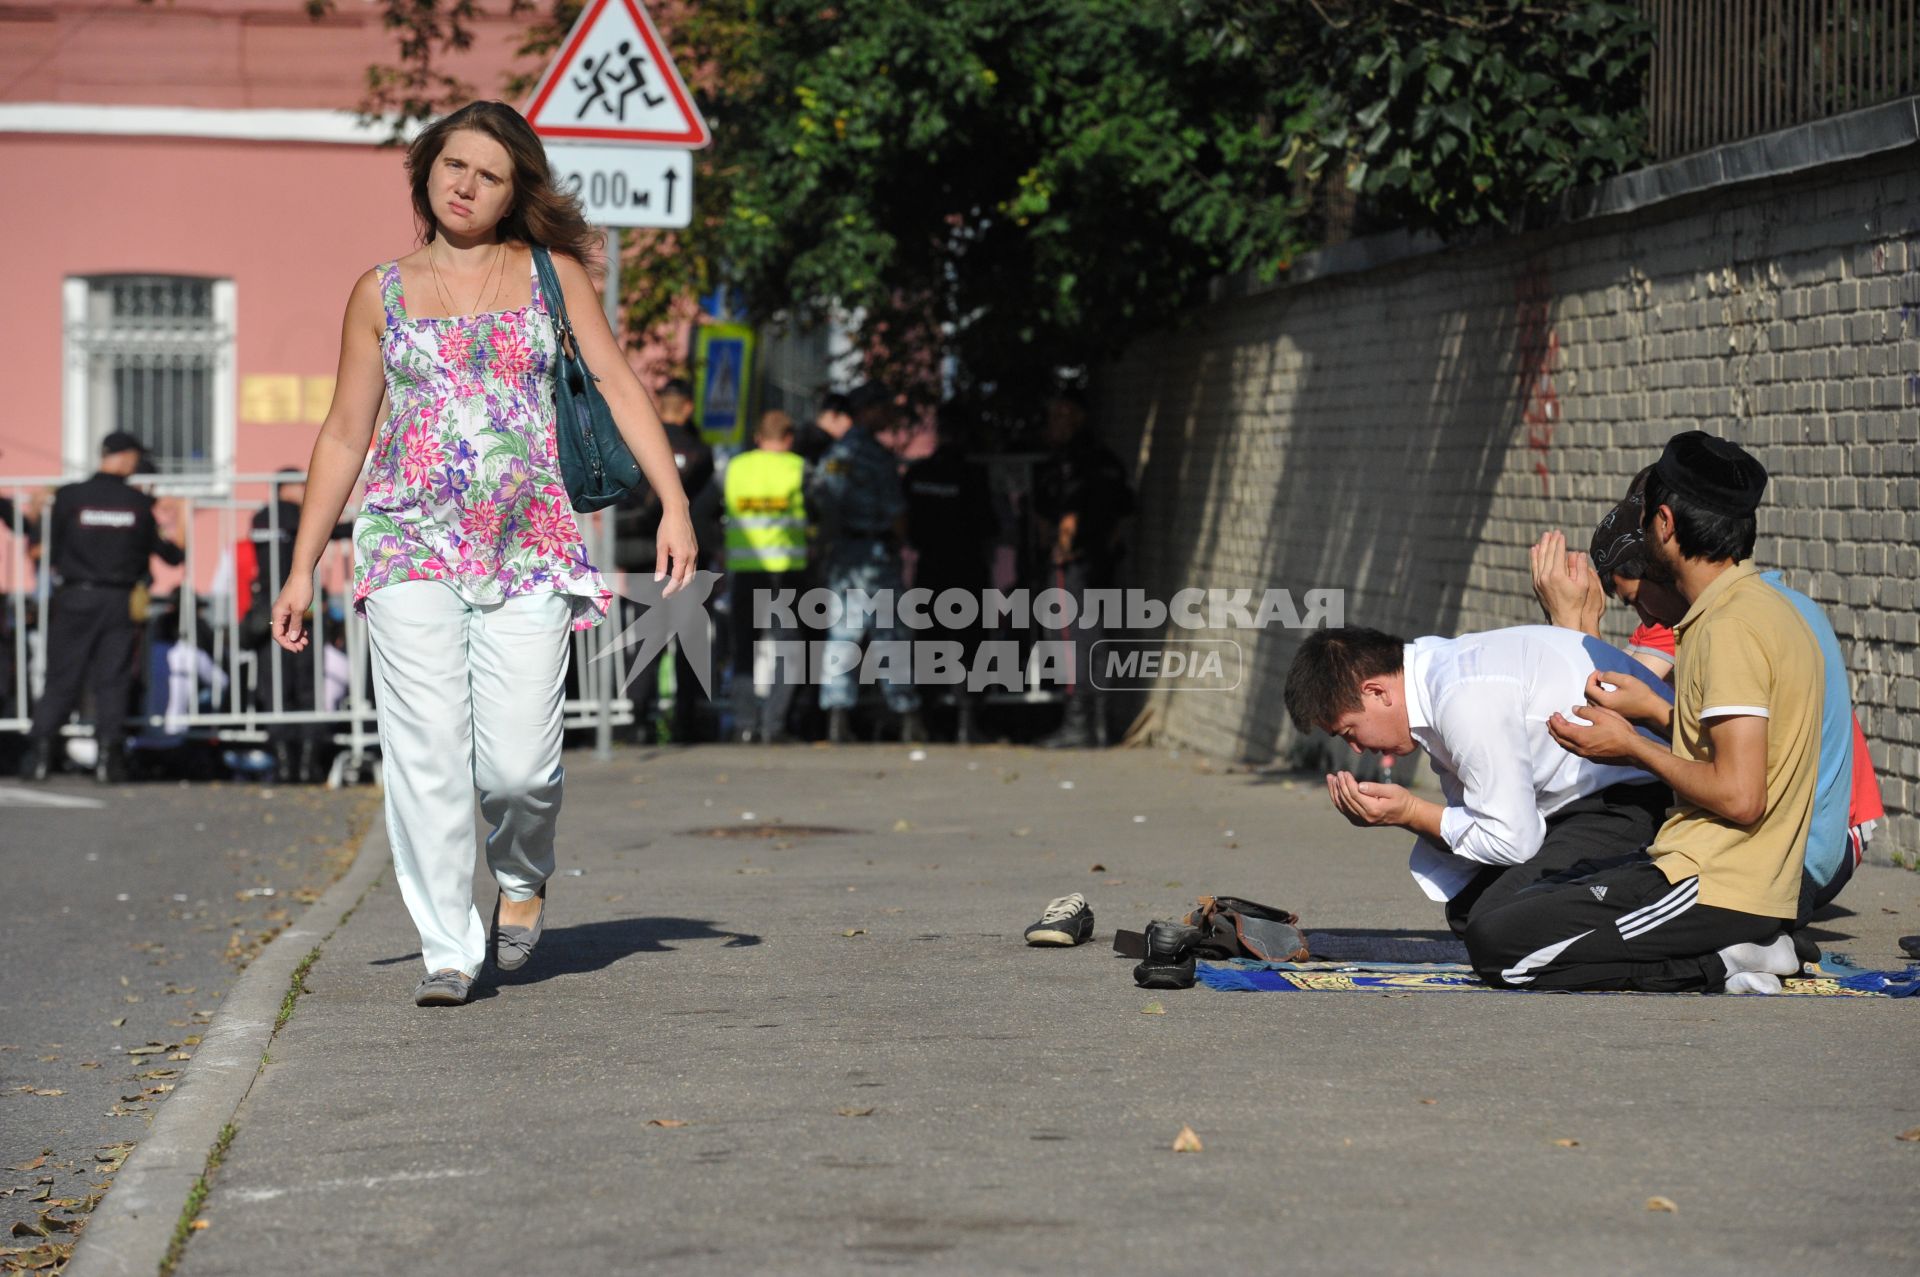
1617	821
1618	925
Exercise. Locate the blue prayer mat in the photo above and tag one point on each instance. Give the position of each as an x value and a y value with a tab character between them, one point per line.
1836	977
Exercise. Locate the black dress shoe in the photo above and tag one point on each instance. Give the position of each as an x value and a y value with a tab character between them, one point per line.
37	762
1170	960
112	769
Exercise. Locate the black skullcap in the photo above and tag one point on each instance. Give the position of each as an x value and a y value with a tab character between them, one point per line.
1619	545
120	441
678	386
1714	474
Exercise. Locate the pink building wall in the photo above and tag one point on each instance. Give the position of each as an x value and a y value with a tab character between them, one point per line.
291	223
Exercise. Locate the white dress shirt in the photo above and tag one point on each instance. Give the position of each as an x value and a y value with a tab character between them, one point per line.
1479	705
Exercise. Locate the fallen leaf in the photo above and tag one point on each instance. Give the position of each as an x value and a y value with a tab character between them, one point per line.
41	1160
666	1123
181	1055
25	1228
1662	1204
902	825
1911	1137
47	1092
1566	1143
854	1112
1096	868
1153	1008
199	1224
1429	1101
152	1048
119	1022
851	932
1186	1141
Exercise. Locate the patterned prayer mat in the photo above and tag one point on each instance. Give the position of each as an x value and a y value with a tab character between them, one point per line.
1837	978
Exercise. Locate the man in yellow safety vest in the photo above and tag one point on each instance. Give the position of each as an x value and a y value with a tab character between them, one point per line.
766	543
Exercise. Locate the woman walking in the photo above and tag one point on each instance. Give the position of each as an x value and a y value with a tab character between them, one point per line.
468	565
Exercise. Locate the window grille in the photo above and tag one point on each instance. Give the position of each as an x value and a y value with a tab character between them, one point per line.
153	357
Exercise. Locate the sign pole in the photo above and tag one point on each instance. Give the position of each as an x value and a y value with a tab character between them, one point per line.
613	280
603	727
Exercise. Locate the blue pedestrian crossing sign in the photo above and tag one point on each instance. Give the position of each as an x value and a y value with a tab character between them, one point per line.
723	380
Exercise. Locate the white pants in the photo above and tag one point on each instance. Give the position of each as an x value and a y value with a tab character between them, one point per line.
469	697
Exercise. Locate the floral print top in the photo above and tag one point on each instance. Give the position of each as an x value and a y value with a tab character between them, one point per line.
465	483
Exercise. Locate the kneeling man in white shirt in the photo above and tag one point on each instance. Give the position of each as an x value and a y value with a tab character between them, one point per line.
1518	806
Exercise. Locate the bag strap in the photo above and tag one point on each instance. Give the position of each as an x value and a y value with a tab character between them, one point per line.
556	300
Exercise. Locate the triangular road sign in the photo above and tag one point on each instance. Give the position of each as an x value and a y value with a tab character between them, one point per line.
614	81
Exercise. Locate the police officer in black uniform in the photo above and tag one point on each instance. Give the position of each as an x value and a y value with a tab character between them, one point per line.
1081	495
951	527
102	535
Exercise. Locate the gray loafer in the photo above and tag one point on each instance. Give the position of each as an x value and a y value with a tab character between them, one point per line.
447	988
512	946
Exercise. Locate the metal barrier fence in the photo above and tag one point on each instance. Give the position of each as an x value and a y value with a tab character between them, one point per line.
1730	69
235	685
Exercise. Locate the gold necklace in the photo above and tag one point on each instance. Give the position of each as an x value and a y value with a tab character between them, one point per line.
440	283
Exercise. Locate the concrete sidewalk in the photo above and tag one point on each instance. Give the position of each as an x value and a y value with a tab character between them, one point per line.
874	1072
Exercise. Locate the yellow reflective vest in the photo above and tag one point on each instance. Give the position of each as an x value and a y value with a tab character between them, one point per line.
766	512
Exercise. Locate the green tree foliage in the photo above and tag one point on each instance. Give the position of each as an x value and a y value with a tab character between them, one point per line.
1026	185
1447	116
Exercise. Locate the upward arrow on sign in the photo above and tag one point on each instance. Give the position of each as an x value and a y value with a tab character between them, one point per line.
614	81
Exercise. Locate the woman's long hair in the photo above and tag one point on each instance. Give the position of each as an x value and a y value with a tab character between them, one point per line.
541	213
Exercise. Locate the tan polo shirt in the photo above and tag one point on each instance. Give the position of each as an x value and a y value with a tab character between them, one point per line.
1744	649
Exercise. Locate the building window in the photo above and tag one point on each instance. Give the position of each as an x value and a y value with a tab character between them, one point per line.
152	355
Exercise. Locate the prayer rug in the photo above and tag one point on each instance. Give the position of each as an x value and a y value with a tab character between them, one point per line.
1836	978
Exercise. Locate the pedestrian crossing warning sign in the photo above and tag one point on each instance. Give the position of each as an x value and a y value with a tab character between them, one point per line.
614	81
722	380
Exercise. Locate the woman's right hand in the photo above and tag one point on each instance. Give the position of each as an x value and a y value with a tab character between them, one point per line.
290	613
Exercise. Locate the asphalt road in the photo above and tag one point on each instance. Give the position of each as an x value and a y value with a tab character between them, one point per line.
827	1050
129	910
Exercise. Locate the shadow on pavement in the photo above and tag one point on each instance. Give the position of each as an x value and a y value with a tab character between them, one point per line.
594	946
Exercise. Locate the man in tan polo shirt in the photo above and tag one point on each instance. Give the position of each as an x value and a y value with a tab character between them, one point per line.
1708	907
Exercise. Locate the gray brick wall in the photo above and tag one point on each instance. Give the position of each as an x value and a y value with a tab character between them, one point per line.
1406	433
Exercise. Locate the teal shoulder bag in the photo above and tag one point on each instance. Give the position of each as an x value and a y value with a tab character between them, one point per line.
595	461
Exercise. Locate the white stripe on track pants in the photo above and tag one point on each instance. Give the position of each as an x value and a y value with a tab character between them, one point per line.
468	697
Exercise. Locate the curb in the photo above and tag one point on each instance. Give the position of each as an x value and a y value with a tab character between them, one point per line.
129	1232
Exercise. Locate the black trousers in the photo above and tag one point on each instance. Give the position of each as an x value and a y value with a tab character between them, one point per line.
1617	925
769	716
1614	822
90	641
1077	578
